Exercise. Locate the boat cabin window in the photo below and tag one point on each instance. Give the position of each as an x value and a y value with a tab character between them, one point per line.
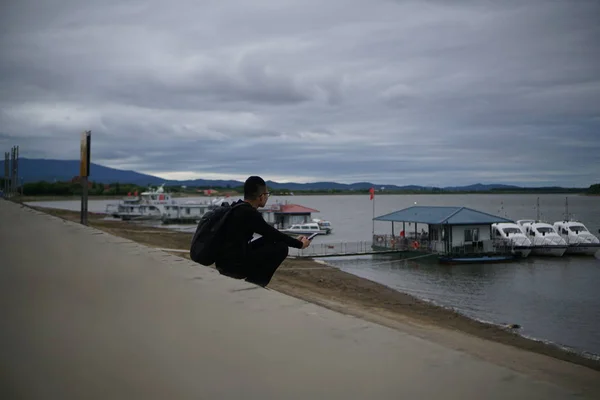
316	228
305	227
544	230
511	230
578	228
497	232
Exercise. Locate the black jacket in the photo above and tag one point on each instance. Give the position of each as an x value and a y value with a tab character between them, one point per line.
241	224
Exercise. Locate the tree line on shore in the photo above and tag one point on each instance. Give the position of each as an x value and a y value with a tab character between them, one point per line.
73	188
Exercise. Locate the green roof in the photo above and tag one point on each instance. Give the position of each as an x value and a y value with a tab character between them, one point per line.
434	215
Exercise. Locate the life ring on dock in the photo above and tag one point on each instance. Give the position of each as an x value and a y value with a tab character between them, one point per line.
415	245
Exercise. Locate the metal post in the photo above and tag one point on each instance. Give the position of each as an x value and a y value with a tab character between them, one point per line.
16	170
5	188
12	171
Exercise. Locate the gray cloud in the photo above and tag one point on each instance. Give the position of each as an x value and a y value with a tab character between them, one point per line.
404	92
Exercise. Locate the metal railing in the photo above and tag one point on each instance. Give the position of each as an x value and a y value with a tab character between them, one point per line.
337	248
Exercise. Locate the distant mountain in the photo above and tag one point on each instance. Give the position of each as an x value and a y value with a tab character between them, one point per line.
34	170
479	187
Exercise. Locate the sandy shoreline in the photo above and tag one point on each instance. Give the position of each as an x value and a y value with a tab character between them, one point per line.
316	282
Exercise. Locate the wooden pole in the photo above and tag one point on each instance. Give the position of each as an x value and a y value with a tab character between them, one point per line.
84	171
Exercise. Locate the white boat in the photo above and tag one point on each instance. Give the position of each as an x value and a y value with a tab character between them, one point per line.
511	235
156	204
307	228
544	239
324	225
579	240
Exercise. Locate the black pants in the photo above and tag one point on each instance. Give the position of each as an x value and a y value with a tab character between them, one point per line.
263	259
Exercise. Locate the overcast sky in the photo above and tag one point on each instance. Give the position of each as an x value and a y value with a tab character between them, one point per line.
426	92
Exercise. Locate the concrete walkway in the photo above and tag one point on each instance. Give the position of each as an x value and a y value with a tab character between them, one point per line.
86	315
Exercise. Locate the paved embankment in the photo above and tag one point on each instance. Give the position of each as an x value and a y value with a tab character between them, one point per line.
87	315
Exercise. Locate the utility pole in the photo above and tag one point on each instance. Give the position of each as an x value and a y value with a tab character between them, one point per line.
6	169
12	171
16	170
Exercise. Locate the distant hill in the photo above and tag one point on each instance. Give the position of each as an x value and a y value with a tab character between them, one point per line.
34	170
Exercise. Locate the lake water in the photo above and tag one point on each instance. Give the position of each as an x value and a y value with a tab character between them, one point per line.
553	299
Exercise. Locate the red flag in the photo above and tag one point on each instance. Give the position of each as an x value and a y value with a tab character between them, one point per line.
372	191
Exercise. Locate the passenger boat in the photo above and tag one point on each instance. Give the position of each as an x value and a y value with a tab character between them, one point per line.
510	234
156	204
578	238
545	240
307	229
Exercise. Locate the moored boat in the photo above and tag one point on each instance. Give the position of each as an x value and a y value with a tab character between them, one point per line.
306	229
545	240
156	204
578	238
508	233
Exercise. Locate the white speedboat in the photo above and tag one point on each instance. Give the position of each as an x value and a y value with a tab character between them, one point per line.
579	239
307	228
324	225
510	235
544	239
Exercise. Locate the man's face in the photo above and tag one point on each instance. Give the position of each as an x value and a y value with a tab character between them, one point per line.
264	197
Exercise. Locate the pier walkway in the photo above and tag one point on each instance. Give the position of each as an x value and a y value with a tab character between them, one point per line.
87	315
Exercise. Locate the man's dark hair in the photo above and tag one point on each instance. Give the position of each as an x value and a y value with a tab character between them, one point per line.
254	187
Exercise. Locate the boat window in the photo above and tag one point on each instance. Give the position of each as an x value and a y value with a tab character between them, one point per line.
511	230
314	227
187	210
305	227
578	228
544	229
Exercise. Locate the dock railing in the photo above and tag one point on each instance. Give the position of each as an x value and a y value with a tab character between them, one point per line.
423	244
390	244
338	249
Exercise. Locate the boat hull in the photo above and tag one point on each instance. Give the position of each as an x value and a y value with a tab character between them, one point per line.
306	232
522	252
476	259
548	250
583	249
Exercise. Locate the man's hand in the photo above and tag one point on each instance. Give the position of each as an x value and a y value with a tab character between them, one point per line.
305	241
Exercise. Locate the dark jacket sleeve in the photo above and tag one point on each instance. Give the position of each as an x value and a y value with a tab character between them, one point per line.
261	227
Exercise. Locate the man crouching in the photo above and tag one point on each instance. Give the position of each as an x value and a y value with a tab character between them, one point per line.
240	257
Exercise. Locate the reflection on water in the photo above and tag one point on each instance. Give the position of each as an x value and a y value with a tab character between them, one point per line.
555	299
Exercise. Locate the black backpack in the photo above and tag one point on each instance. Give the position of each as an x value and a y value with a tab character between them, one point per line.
209	235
